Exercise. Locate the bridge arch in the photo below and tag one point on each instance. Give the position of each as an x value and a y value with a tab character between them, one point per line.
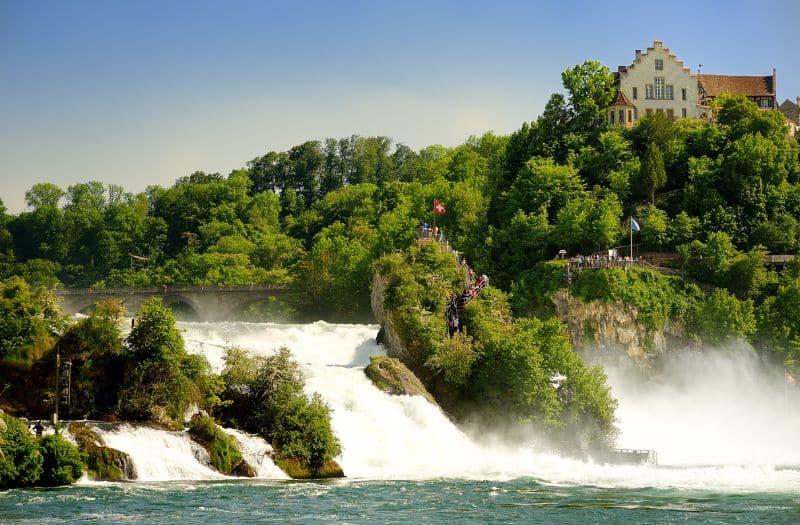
184	308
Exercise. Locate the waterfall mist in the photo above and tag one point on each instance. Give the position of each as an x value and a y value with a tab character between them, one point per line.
722	406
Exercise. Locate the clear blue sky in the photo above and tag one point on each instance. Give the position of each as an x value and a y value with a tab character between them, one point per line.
143	92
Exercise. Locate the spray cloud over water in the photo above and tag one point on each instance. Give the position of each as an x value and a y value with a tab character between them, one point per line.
402	437
718	407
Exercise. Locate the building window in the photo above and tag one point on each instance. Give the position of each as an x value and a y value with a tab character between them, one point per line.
659	83
635	114
659	111
659	64
622	116
683	112
683	93
635	93
671	114
630	115
611	117
669	92
648	112
648	91
764	103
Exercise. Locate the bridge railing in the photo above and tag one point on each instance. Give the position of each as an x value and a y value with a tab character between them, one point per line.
165	289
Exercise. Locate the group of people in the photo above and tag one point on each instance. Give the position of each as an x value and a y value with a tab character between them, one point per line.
604	261
456	305
424	231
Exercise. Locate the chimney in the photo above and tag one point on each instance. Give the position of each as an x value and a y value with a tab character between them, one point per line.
775	83
638	53
798	101
620	69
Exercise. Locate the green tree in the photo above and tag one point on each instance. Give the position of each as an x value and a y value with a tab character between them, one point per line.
655	228
159	374
722	317
29	321
652	175
266	396
542	183
591	87
94	346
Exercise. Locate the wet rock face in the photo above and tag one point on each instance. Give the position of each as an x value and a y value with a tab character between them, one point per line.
388	335
296	468
103	463
609	331
393	377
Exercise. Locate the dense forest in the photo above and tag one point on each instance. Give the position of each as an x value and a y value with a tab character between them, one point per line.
316	217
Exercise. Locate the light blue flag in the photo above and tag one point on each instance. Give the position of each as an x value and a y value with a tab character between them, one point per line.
634	225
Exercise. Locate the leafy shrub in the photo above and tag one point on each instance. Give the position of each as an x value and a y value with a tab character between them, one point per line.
265	395
222	449
534	288
303	430
20	458
722	316
62	462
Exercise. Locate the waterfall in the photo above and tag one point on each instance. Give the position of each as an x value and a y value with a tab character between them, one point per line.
405	437
255	451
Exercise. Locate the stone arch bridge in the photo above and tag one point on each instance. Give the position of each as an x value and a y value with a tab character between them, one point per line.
204	303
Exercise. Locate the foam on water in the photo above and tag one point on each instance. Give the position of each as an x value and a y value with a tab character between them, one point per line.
402	437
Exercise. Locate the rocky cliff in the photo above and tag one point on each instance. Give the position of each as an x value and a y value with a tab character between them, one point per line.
599	331
609	332
388	335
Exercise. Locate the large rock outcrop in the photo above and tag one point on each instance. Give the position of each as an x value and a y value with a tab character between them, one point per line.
388	336
611	332
103	463
393	377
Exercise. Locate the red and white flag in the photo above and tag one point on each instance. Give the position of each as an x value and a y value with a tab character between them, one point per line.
789	378
438	207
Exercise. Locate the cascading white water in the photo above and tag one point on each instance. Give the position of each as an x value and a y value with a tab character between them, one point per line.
402	437
159	455
699	434
256	452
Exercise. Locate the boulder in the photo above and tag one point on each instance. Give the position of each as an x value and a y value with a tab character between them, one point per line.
393	377
102	463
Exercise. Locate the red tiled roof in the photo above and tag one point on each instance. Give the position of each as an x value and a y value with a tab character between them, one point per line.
621	100
714	85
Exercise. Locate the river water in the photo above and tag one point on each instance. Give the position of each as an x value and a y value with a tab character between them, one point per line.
724	428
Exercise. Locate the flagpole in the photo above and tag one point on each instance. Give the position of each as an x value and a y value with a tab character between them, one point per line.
434	213
630	225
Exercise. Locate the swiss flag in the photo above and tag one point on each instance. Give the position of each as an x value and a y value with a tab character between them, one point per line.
438	208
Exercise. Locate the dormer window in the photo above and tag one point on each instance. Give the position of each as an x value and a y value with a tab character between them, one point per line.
659	64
